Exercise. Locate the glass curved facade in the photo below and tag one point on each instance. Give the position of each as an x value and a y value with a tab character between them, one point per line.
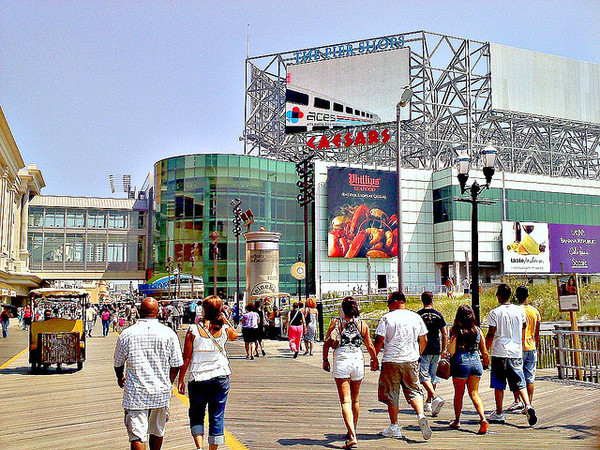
192	195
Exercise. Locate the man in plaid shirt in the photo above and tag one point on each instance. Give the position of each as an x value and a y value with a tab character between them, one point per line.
153	356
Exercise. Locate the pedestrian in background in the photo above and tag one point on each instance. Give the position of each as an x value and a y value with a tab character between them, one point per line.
249	327
530	345
348	363
153	356
260	330
209	370
5	318
311	318
467	347
27	314
436	330
402	335
90	314
105	316
505	337
295	328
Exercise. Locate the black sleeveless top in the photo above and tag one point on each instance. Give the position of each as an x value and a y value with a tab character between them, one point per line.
295	318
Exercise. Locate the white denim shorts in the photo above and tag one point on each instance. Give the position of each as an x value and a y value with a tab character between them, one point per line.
348	363
140	423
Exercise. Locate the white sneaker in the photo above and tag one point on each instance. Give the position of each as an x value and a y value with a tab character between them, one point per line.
495	417
393	431
427	408
425	428
516	406
436	405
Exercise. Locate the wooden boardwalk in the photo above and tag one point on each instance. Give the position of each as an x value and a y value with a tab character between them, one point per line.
275	403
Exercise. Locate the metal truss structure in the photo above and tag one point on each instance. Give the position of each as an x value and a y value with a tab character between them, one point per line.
450	112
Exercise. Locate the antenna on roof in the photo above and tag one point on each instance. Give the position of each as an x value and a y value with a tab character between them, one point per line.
120	183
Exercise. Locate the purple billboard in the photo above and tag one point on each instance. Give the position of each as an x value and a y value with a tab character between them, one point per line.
577	247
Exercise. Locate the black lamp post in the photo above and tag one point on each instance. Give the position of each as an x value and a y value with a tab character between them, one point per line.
214	237
306	172
237	230
169	271
489	160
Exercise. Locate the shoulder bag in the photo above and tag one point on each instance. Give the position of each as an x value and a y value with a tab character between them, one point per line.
334	337
208	333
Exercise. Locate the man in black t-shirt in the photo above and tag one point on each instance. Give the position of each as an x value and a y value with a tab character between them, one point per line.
436	327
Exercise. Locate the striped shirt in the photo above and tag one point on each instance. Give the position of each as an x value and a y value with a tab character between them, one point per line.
150	349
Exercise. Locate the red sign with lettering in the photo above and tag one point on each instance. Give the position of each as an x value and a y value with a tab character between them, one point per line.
371	137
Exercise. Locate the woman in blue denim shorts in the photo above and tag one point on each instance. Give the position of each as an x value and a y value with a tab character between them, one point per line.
204	353
466	344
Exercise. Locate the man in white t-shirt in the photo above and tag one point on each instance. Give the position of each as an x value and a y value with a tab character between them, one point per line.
403	336
505	337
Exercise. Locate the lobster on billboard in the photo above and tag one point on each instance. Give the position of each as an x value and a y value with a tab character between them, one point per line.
362	209
356	89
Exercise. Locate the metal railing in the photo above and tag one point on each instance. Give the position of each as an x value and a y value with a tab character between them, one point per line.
578	355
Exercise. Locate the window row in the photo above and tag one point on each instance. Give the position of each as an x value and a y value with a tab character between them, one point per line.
61	218
54	248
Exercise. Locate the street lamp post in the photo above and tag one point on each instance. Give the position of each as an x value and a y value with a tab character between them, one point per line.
489	160
169	271
193	261
237	230
179	272
214	236
306	172
407	93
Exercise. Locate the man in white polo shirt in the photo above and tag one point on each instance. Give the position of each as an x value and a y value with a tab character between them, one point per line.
153	357
505	337
403	336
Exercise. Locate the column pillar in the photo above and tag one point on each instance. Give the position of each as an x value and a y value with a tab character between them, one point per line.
23	230
4	210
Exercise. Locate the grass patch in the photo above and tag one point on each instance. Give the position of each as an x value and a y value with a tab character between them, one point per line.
543	296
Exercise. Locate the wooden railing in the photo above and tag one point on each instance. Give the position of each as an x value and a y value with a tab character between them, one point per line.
578	355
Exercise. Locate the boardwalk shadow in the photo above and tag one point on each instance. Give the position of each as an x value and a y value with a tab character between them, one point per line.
26	370
334	440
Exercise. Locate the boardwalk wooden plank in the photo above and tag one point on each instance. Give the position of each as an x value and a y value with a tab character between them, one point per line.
275	402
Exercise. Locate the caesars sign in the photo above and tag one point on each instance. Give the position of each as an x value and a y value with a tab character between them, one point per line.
530	247
362	206
359	86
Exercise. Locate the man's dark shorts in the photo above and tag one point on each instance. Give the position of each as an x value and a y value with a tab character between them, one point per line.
507	369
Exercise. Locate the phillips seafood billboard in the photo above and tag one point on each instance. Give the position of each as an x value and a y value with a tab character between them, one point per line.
362	209
525	247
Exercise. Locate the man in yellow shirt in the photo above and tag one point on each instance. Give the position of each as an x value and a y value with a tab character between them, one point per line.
530	344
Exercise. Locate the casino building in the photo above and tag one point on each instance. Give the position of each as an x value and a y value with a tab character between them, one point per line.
347	105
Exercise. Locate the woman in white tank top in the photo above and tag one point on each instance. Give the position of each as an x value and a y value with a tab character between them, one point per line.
205	356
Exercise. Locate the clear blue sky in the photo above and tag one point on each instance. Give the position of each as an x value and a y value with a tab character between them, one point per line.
96	87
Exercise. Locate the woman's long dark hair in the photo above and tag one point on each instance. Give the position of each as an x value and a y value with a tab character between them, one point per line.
213	312
465	329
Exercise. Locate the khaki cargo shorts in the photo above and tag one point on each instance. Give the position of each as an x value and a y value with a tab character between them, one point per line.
394	376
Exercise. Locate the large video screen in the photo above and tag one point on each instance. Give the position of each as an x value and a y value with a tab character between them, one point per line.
356	90
362	209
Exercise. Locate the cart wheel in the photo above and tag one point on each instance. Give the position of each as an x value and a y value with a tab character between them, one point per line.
80	365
